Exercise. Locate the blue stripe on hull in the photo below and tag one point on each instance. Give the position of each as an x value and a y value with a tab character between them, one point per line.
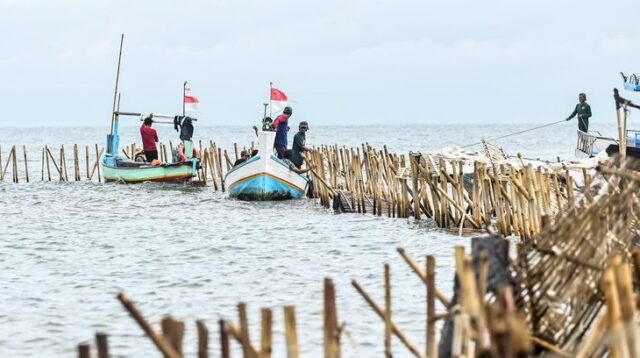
264	187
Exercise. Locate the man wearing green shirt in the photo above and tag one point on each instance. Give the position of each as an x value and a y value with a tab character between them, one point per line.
583	110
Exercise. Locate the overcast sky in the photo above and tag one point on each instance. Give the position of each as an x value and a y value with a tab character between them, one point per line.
343	62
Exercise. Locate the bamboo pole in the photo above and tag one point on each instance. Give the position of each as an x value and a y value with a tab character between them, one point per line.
173	333
98	155
387	312
220	170
431	348
224	339
410	346
86	151
46	156
266	333
76	165
160	342
331	329
102	345
6	166
423	276
41	167
26	163
247	349
203	339
291	333
84	350
15	166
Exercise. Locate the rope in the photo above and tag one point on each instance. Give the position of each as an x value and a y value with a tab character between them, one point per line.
512	134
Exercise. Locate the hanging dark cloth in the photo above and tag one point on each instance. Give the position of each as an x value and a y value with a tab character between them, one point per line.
184	124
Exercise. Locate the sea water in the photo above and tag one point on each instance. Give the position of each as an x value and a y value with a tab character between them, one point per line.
67	249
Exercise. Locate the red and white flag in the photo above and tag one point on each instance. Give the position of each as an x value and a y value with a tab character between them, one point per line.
190	101
278	101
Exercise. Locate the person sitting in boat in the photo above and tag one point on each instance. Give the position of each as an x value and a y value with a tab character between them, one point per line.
583	110
281	125
149	140
287	159
244	155
299	144
193	153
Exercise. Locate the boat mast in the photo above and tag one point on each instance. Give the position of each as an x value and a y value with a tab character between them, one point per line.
115	92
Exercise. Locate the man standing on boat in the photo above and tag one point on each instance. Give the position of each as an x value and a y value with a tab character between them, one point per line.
299	144
583	110
281	125
149	140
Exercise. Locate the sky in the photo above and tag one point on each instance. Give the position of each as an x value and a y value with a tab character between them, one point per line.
348	62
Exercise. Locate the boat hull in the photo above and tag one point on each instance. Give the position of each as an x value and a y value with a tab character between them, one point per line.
265	179
172	173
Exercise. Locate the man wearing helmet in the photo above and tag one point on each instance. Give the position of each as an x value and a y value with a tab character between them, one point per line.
281	125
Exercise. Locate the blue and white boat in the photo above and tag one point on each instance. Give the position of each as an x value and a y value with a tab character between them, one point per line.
264	176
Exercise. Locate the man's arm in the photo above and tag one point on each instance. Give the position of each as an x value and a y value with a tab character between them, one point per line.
573	114
276	123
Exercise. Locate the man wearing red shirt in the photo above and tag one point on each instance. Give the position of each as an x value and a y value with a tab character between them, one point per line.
149	140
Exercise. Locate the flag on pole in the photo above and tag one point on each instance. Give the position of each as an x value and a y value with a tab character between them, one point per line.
190	101
278	101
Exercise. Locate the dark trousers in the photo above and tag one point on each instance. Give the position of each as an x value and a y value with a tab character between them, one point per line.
280	149
583	125
151	155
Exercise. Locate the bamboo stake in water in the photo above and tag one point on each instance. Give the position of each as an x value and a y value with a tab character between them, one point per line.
266	333
203	339
410	346
157	339
173	332
291	333
102	345
224	339
331	329
15	166
84	350
247	349
431	307
26	163
387	312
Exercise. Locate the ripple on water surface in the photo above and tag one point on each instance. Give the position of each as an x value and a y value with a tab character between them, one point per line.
67	249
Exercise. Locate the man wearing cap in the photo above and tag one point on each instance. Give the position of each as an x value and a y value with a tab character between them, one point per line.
583	110
299	141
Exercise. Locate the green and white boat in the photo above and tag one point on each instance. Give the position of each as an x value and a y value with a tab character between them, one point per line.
122	169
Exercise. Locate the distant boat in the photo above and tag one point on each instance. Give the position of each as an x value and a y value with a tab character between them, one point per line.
118	168
593	143
264	176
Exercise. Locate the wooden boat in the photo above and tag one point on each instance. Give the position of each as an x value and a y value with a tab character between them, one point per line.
118	168
264	176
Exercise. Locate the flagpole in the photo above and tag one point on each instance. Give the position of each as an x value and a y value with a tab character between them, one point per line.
270	91
184	91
